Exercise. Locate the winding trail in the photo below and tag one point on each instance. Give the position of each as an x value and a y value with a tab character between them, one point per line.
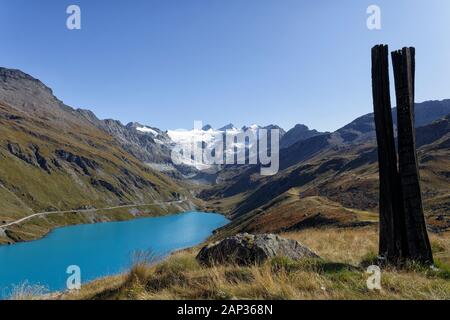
40	214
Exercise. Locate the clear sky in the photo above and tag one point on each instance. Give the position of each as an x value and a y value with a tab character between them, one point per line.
167	63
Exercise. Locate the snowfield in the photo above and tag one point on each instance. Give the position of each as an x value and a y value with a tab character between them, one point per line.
147	130
186	138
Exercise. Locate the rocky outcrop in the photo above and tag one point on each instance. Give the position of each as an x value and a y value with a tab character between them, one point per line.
150	146
83	163
248	249
106	185
42	162
17	151
35	158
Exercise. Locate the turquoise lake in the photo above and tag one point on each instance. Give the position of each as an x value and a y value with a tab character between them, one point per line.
100	249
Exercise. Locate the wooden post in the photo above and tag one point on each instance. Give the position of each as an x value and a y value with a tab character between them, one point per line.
392	232
416	233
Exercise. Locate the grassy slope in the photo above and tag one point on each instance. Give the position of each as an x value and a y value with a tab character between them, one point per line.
26	187
291	212
340	274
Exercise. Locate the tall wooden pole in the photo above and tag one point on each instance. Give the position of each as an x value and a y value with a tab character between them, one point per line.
416	233
392	244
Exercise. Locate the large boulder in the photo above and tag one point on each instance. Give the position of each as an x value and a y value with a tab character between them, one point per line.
247	249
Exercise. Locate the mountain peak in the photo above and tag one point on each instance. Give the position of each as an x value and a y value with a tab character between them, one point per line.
143	128
273	126
14	74
227	127
301	127
30	95
134	125
8	75
251	127
298	133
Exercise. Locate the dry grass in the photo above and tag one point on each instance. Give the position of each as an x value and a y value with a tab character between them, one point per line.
339	245
25	291
338	275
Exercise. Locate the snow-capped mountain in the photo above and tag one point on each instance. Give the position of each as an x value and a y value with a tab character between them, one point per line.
209	139
155	147
205	139
145	129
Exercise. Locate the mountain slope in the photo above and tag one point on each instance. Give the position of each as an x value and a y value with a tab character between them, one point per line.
53	158
359	131
325	180
363	128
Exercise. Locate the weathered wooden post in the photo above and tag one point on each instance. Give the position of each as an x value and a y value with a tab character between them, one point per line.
392	232
416	233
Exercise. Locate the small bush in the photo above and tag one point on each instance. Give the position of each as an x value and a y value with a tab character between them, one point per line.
172	271
370	259
138	273
178	263
283	263
142	261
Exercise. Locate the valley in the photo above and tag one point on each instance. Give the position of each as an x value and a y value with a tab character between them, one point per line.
325	178
327	181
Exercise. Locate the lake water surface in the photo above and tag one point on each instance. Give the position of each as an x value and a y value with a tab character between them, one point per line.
99	249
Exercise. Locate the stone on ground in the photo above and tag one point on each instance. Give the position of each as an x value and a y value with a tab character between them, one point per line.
247	249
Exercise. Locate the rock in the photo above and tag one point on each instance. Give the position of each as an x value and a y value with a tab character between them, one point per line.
83	163
247	249
17	151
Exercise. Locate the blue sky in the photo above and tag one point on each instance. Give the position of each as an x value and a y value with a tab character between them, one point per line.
167	63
